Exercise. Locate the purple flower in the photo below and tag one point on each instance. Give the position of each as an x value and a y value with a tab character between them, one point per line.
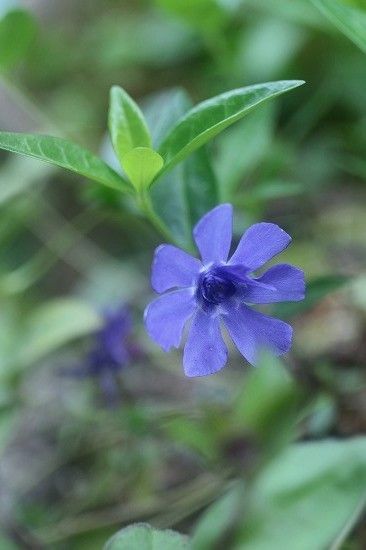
217	290
110	352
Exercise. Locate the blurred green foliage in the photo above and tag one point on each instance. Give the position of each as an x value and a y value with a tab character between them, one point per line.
262	458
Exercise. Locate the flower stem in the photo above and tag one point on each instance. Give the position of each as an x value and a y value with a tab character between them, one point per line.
149	211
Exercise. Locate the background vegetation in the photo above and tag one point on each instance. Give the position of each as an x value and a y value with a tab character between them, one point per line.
274	456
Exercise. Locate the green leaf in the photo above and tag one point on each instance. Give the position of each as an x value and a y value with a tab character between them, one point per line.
314	492
163	109
187	192
127	125
215	522
316	290
53	325
349	20
65	154
192	435
141	38
209	118
267	405
142	536
141	166
17	31
311	495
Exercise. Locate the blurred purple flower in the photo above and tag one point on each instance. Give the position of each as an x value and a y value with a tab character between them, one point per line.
217	289
110	352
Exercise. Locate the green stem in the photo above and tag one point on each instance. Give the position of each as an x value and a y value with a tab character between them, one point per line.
149	211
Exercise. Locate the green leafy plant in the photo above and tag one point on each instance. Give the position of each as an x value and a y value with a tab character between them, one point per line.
143	536
144	166
101	437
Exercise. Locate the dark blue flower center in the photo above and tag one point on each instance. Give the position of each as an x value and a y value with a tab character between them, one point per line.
215	286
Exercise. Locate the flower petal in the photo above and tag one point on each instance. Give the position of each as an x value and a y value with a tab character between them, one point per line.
281	283
253	331
166	316
260	243
172	267
111	340
205	351
213	234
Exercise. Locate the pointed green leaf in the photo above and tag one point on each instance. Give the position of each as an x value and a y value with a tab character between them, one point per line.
210	117
350	20
141	166
127	125
65	154
142	536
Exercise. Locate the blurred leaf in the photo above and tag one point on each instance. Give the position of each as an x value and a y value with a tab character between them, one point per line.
142	536
296	11
240	149
65	154
311	495
193	435
23	173
127	125
7	544
316	290
141	166
204	14
254	198
163	109
214	523
17	31
355	166
135	39
350	20
255	61
53	325
322	415
267	405
183	195
9	327
209	118
271	189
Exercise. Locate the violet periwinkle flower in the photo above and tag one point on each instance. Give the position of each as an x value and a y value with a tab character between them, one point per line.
217	290
110	351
